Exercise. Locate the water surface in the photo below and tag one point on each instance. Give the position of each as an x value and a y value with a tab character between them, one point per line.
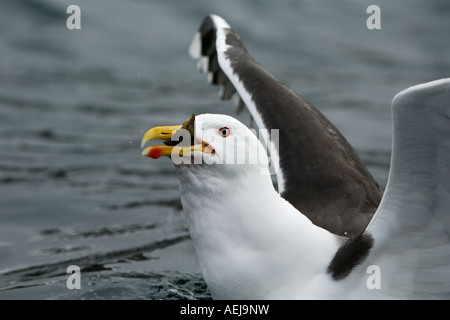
75	103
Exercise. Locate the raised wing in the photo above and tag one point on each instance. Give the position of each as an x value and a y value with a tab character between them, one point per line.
317	169
411	228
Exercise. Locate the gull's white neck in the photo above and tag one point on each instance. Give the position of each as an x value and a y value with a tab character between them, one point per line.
251	243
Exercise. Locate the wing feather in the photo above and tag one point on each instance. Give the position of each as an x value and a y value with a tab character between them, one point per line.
411	228
317	170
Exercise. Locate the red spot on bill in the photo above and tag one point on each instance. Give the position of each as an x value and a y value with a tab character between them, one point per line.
155	152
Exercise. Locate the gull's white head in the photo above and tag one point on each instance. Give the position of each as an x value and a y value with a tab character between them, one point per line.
209	139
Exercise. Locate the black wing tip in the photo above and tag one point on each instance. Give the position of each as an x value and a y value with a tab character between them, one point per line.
203	48
352	253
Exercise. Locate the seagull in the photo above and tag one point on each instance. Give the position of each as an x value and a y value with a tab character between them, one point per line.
327	180
254	244
324	233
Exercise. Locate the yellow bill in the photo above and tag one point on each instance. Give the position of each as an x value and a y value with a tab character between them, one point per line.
165	133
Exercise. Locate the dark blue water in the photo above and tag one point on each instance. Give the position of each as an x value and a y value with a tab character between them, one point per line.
74	189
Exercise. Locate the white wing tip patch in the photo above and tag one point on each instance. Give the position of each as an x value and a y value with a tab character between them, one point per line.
210	77
195	48
219	22
202	64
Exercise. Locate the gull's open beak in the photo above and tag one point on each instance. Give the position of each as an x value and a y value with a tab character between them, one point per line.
159	133
165	133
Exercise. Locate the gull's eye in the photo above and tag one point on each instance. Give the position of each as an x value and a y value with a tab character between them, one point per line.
224	132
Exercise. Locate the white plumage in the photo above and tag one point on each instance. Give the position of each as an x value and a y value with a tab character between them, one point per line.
252	244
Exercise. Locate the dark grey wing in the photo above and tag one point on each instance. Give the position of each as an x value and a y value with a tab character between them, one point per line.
317	169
